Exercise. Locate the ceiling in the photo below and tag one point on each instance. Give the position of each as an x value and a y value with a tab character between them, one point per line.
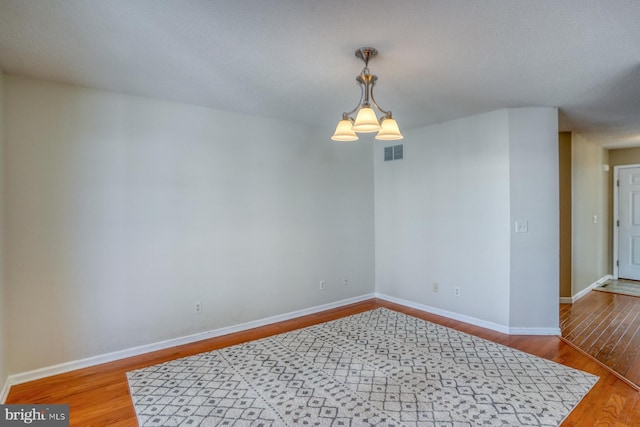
294	59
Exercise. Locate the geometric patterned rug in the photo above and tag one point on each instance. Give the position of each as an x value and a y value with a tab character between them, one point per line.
377	368
625	287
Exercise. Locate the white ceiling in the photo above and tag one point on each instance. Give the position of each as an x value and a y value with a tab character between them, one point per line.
294	59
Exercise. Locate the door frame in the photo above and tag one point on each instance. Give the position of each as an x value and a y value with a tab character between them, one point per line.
616	208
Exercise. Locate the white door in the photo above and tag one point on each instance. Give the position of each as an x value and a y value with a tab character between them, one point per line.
629	225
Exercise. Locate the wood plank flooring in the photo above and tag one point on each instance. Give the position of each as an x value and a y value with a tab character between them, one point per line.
606	326
99	396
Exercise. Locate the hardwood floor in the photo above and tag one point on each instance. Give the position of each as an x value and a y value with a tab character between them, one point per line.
99	396
606	326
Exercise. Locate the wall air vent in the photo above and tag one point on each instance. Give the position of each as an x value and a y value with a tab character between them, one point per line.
394	152
388	154
398	152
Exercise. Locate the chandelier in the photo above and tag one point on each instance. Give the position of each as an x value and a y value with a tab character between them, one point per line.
366	120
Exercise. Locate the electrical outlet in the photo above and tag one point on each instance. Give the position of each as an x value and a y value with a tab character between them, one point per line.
522	226
198	307
345	281
436	287
457	291
322	285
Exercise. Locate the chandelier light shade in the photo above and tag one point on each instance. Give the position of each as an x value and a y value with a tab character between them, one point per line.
366	119
389	130
344	132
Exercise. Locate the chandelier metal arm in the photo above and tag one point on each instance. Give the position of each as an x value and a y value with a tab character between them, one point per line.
387	114
350	113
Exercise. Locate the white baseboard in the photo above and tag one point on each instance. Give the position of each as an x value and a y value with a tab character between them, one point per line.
445	313
535	331
576	297
472	320
4	391
147	348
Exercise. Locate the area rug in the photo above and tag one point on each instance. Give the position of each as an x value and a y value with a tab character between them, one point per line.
377	368
625	287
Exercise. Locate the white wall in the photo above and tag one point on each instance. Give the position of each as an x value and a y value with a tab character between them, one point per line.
442	215
3	303
590	191
122	212
445	215
534	185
